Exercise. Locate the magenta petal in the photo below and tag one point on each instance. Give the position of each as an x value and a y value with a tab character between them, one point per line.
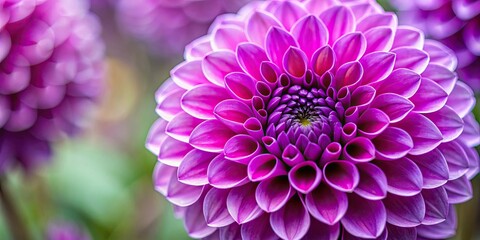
241	149
292	221
392	143
215	208
188	74
471	131
171	151
210	136
363	96
278	41
327	204
295	62
193	168
372	122
341	175
459	190
377	66
433	167
182	194
441	75
156	135
272	194
265	166
407	36
223	173
394	105
473	161
339	21
448	122
443	230
230	232
169	104
258	25
349	75
405	211
379	39
401	233
181	126
461	99
288	13
440	54
198	48
321	231
404	178
250	58
233	113
359	149
242	205
377	20
227	38
194	221
240	86
367	219
402	81
251	231
161	177
216	65
411	58
305	176
349	47
373	182
425	135
436	205
311	34
347	236
456	159
202	99
430	97
323	60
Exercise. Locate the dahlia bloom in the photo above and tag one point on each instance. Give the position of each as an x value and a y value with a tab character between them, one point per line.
166	26
315	120
50	71
455	23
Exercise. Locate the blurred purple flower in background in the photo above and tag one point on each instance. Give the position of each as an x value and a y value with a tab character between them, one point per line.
62	230
456	23
166	26
312	120
50	73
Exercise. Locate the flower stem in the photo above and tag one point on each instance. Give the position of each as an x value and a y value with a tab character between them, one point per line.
16	225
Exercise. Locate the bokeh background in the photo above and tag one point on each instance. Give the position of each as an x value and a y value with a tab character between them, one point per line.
100	182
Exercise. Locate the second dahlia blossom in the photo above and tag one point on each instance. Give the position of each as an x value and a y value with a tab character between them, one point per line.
315	120
50	72
456	23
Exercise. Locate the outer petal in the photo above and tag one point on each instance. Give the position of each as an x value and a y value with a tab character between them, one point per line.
379	39
349	47
393	143
223	173
311	34
401	233
339	21
367	219
250	57
242	205
403	82
292	221
459	190
216	65
251	231
394	105
434	168
273	194
405	211
377	66
210	136
436	205
193	168
444	230
456	159
448	122
202	99
404	178
411	58
461	100
215	208
194	221
182	194
373	182
233	113
327	204
278	41
258	25
430	97
188	74
321	231
181	126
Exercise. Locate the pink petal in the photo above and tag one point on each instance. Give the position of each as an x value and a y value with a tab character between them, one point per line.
349	47
321	231
292	221
288	13
227	38
194	221
349	75
441	75
372	122
250	58
359	149
233	113
339	21
272	194
341	175
258	25
215	208
456	159
459	190
407	36
241	149
311	34
327	204
188	74
367	219
404	178
430	97
242	205
379	39
377	66
436	205
223	173
471	131
193	168
378	20
373	182
434	168
278	41
394	105
461	99
425	135
162	174
156	135
402	81
411	58
305	176
323	60
216	65
169	104
405	211
392	143
448	122
443	230
181	126
295	62
198	49
440	54
202	99
265	166
401	233
210	136
250	230
182	194
240	86
171	152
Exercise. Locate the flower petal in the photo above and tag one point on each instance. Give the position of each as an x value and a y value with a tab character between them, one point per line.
403	82
367	219
181	126
459	190
215	208
404	178
461	99
401	233
377	20
171	151
394	105
321	231
292	221
250	230
193	168
233	113
188	74
372	122
258	25
311	34
274	193
210	136
265	166
373	182
411	58
305	176
341	175
377	66
323	60
359	149
379	39
288	13
295	62
223	173
430	97
182	194
250	57
202	99
436	205
441	75
443	230
216	65
278	41
327	204
161	177
405	211
242	205
339	21
227	38
194	221
456	159
241	149
349	47
392	143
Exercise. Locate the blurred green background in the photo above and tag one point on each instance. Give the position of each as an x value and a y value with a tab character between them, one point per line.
101	180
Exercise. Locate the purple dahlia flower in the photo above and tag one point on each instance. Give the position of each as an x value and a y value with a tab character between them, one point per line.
315	120
50	71
456	23
166	26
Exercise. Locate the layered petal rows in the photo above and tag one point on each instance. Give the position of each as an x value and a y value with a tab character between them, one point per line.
455	23
166	26
315	120
50	71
